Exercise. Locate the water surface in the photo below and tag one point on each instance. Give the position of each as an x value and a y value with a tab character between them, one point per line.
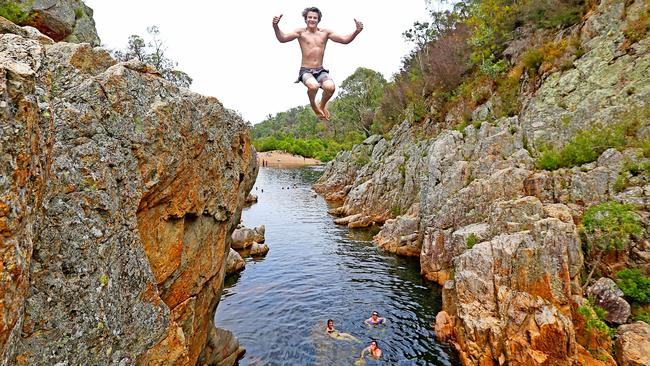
315	270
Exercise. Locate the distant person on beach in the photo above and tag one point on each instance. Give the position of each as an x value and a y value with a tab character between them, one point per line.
375	319
373	350
312	42
336	334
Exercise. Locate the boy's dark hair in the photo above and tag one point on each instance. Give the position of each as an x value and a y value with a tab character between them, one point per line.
315	10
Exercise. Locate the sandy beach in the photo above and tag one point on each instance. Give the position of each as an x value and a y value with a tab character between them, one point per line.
281	159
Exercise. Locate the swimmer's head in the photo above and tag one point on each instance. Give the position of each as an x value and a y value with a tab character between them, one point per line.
374	344
374	313
330	322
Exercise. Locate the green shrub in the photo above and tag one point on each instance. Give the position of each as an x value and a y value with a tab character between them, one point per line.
634	285
610	225
606	227
587	145
471	240
593	317
79	13
508	92
532	60
13	12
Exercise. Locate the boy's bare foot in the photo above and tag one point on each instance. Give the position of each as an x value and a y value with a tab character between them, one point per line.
326	112
318	111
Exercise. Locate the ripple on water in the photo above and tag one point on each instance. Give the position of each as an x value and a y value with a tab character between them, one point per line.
315	270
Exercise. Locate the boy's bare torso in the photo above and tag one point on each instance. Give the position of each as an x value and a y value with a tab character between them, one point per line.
312	46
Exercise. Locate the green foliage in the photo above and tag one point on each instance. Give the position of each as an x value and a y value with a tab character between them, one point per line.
471	240
532	60
491	22
634	285
361	160
551	14
359	98
508	92
587	145
153	53
610	225
13	12
593	317
323	149
396	211
79	13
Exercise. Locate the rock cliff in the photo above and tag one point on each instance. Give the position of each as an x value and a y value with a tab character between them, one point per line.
118	195
61	20
496	232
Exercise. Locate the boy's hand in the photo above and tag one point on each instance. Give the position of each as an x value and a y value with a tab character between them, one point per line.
359	25
276	20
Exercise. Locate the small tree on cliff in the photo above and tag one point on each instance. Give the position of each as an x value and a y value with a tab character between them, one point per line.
153	52
609	226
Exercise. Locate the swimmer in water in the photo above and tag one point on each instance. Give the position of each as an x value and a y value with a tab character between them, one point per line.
373	350
375	319
336	334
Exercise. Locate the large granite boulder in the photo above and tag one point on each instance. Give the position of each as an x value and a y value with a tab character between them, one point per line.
633	344
118	195
244	237
61	20
234	262
608	296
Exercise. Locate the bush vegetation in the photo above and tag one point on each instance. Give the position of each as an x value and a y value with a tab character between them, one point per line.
14	12
587	145
593	317
609	226
153	52
634	284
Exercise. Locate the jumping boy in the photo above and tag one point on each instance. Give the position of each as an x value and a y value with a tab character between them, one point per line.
312	42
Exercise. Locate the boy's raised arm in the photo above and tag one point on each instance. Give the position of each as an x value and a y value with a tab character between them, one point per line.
350	37
281	36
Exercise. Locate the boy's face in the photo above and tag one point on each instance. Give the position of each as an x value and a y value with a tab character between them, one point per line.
311	19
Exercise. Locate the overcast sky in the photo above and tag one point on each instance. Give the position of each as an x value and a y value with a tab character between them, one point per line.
230	50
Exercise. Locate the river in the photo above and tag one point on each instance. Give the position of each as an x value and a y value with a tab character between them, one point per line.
315	270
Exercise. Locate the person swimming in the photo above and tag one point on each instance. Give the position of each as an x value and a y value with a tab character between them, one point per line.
375	319
336	334
373	350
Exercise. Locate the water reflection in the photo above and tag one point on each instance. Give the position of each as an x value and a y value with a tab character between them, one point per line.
314	271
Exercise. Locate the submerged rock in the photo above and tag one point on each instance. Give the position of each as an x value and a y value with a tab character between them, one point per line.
235	262
244	237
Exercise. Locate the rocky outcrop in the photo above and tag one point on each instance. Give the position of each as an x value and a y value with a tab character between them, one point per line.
62	20
243	237
234	262
118	195
499	234
608	296
633	344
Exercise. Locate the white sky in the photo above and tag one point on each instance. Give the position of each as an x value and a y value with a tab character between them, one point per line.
230	50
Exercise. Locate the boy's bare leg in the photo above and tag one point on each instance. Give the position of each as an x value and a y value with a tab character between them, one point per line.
312	89
328	91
